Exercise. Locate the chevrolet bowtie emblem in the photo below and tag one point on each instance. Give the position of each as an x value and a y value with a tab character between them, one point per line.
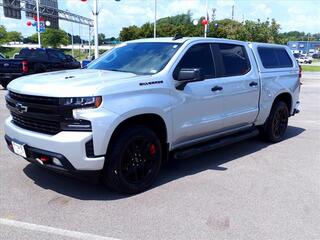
21	108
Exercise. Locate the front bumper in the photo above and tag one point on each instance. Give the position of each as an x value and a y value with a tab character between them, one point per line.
70	145
35	155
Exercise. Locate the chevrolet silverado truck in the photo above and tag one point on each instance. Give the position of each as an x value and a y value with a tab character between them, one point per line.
34	60
147	101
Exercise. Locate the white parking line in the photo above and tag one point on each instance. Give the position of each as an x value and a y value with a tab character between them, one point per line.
52	230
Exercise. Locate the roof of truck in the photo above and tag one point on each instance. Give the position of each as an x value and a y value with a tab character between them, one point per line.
183	39
192	39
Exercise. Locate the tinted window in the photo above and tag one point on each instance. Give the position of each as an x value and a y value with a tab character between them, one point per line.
274	57
139	58
198	56
33	53
39	53
56	55
233	60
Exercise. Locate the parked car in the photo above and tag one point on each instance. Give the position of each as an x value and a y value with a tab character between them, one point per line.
148	101
304	60
316	56
37	60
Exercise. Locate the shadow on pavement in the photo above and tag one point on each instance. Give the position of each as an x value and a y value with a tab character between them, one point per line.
174	170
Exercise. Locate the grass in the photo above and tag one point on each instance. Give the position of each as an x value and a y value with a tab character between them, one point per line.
308	68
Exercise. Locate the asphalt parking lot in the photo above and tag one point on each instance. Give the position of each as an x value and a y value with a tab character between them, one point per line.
249	190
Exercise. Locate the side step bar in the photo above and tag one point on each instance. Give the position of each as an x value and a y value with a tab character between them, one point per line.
214	144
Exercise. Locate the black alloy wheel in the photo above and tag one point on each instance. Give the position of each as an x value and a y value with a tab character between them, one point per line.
133	160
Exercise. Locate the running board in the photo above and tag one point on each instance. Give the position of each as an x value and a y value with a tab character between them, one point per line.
214	144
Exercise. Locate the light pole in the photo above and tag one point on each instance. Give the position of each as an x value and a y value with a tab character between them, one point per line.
95	13
95	20
155	20
38	23
206	25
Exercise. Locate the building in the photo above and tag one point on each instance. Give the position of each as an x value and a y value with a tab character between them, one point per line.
304	46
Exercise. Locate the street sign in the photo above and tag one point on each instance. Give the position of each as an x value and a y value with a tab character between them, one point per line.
12	9
48	10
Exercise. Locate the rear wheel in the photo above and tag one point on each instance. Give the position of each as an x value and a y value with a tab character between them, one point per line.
133	160
277	123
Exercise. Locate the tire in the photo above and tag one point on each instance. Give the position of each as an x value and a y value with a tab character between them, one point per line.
276	125
133	160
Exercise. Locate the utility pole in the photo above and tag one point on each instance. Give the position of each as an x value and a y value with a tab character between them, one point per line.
38	23
155	20
206	26
89	42
95	19
232	14
72	39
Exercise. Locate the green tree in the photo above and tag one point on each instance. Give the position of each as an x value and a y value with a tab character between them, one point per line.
130	33
14	36
101	38
3	34
253	31
52	38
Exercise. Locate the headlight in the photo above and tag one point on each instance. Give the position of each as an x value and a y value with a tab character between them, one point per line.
82	102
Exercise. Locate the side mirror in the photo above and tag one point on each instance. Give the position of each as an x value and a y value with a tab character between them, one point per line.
187	75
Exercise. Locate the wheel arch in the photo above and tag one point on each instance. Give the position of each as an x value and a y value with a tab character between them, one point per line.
286	98
151	120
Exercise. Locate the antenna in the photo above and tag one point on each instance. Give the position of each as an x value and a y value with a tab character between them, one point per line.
177	36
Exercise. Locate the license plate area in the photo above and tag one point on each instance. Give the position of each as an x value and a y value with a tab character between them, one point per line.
19	149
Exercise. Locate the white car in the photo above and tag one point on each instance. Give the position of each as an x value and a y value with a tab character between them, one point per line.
147	101
304	60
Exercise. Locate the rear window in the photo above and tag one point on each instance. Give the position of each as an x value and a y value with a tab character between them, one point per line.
274	57
32	53
232	60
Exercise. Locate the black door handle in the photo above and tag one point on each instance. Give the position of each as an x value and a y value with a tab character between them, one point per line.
253	84
216	88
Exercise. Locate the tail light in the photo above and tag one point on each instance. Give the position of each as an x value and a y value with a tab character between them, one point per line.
25	66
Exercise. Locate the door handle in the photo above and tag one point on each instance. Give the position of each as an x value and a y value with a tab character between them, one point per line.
253	84
216	88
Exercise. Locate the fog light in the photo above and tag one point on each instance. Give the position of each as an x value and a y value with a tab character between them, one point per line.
57	162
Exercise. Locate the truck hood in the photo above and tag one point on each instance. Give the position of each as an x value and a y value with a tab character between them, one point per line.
70	83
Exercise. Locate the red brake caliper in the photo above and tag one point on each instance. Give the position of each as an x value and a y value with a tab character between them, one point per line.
152	149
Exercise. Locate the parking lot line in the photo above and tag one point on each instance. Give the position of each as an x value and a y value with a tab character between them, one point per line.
52	230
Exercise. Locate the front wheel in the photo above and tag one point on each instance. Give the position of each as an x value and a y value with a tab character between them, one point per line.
277	123
133	160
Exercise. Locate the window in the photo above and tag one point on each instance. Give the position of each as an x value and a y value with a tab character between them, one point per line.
274	57
231	59
144	58
56	55
198	56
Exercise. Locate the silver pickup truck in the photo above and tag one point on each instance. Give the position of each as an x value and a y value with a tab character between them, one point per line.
147	101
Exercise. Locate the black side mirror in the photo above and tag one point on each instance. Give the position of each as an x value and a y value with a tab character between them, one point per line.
187	75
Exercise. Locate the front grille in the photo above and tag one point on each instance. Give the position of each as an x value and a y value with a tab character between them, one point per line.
37	125
34	99
42	114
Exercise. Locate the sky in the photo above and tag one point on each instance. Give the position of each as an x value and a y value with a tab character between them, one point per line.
300	15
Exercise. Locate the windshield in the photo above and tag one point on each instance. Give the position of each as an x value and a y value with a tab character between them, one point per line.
138	58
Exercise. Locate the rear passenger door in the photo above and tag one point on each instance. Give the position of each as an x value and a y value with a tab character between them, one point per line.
239	81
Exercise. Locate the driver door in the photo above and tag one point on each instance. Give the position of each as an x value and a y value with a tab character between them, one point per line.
198	108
